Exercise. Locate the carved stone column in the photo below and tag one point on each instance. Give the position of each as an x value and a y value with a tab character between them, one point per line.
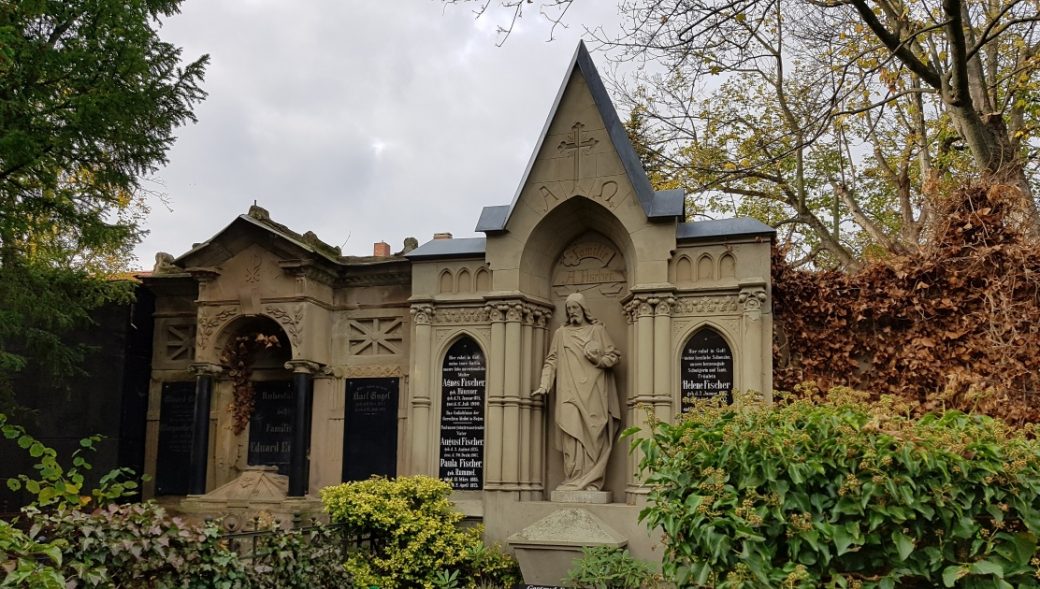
663	364
752	298
538	413
205	373
511	449
299	455
526	446
496	396
419	385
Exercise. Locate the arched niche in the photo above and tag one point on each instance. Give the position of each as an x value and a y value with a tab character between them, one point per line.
463	393
483	280
595	266
446	283
560	228
727	267
683	270
269	436
705	268
465	281
705	368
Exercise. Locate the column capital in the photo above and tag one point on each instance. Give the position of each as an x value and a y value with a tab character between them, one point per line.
422	314
664	306
207	369
300	366
752	299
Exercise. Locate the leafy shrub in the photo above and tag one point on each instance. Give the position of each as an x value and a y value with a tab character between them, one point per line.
609	567
60	486
25	562
139	545
843	494
414	533
299	558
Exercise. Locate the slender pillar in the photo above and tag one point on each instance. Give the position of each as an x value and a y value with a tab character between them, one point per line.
496	392
299	454
642	310
204	377
538	428
511	450
526	377
419	385
663	372
751	356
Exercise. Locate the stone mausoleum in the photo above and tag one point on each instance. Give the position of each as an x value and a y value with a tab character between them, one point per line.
424	361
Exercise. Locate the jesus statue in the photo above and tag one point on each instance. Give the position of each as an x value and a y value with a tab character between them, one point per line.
587	411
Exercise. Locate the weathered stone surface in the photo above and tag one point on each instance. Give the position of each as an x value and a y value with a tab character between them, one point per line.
547	548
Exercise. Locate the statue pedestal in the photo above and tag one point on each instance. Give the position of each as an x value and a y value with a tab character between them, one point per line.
596	497
546	549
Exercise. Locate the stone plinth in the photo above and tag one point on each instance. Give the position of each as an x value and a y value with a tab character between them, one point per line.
595	497
547	548
258	492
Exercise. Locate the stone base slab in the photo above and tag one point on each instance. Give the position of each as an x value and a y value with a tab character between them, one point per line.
595	497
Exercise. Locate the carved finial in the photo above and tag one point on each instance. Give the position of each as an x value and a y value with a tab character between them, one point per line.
259	213
410	243
164	264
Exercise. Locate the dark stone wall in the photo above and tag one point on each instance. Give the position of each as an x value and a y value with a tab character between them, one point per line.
111	399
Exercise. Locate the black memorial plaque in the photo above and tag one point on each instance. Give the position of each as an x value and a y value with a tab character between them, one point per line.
271	427
370	428
705	369
173	460
463	386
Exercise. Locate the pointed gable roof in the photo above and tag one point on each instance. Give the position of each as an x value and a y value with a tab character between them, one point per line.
656	204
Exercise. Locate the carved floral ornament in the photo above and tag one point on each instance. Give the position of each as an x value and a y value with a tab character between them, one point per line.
291	320
753	298
709	305
512	311
517	312
210	321
648	306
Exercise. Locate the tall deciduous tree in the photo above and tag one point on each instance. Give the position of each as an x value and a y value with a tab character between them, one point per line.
839	118
89	99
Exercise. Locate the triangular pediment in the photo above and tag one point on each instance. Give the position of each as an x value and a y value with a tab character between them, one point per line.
256	229
583	150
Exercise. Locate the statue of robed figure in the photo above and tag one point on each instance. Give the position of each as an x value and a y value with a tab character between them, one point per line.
587	412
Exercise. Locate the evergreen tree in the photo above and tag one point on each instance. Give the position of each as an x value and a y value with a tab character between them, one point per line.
89	99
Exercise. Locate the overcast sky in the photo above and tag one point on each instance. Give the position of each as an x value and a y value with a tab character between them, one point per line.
360	120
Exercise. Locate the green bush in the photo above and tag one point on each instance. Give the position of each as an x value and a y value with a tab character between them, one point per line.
609	567
301	559
413	533
842	494
139	545
27	562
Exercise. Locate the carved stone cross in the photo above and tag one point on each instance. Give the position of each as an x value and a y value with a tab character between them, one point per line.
576	144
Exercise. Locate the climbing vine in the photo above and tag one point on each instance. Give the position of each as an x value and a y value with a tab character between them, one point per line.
954	326
239	356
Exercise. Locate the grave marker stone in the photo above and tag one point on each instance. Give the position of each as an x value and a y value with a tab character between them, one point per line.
271	427
173	461
705	368
463	386
370	428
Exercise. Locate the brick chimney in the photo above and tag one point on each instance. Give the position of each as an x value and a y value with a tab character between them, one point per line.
381	249
444	235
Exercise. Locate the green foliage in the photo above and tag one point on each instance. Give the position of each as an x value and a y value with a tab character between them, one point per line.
89	101
414	533
27	561
609	567
843	494
55	485
139	545
299	558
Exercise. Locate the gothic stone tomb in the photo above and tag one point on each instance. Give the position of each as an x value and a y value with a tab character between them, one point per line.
505	364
